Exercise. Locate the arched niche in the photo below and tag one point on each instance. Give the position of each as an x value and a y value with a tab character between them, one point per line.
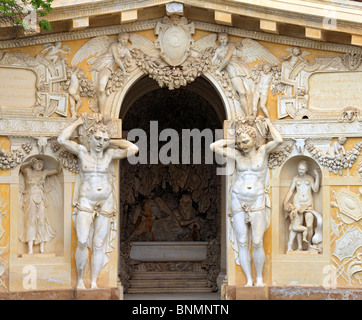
201	89
287	172
54	210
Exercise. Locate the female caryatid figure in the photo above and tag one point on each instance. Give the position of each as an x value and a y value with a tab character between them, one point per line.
249	200
304	185
37	229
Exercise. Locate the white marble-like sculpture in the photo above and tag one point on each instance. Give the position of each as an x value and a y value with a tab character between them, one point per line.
51	51
110	54
94	195
234	58
304	185
335	149
249	200
174	39
261	92
37	229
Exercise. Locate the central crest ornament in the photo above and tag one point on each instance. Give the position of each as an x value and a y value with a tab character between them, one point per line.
174	39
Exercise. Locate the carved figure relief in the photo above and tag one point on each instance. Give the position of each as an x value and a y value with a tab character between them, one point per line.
297	74
302	208
37	229
94	195
110	54
234	59
248	198
333	159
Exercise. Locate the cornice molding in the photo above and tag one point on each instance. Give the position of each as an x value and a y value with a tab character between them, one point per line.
150	24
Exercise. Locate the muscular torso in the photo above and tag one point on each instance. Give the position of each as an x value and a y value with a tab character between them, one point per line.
250	178
96	184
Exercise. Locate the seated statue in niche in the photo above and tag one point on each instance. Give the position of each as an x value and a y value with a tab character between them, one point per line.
304	185
37	229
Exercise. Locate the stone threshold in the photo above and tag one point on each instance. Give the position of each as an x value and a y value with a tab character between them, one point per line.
289	293
64	294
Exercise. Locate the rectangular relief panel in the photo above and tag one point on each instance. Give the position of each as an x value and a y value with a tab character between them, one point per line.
334	91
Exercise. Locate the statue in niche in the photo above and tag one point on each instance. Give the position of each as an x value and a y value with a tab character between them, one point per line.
334	150
110	54
94	195
37	229
305	185
295	224
248	198
234	59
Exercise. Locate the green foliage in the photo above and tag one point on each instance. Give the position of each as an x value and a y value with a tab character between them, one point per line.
12	12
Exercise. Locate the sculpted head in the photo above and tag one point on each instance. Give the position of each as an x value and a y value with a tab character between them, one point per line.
223	38
267	67
123	38
246	138
38	164
302	168
98	137
96	131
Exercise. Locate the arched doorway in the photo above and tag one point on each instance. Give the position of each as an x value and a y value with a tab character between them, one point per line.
171	214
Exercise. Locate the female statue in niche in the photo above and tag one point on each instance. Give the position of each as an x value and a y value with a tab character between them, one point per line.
305	185
37	229
249	199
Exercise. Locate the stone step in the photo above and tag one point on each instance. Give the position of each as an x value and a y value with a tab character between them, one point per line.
169	290
169	283
169	275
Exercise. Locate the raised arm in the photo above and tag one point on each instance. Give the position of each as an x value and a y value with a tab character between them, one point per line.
64	137
27	164
276	136
222	148
50	172
124	149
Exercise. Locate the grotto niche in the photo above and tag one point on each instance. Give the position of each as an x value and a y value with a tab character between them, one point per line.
170	202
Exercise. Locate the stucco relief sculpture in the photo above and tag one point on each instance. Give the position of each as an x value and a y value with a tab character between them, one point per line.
335	160
306	99
94	195
110	55
249	200
46	97
158	221
174	39
234	58
303	205
37	229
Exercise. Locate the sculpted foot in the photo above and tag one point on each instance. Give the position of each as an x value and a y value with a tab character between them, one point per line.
259	283
94	285
81	285
249	283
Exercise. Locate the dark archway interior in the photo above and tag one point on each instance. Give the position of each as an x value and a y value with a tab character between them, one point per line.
170	202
